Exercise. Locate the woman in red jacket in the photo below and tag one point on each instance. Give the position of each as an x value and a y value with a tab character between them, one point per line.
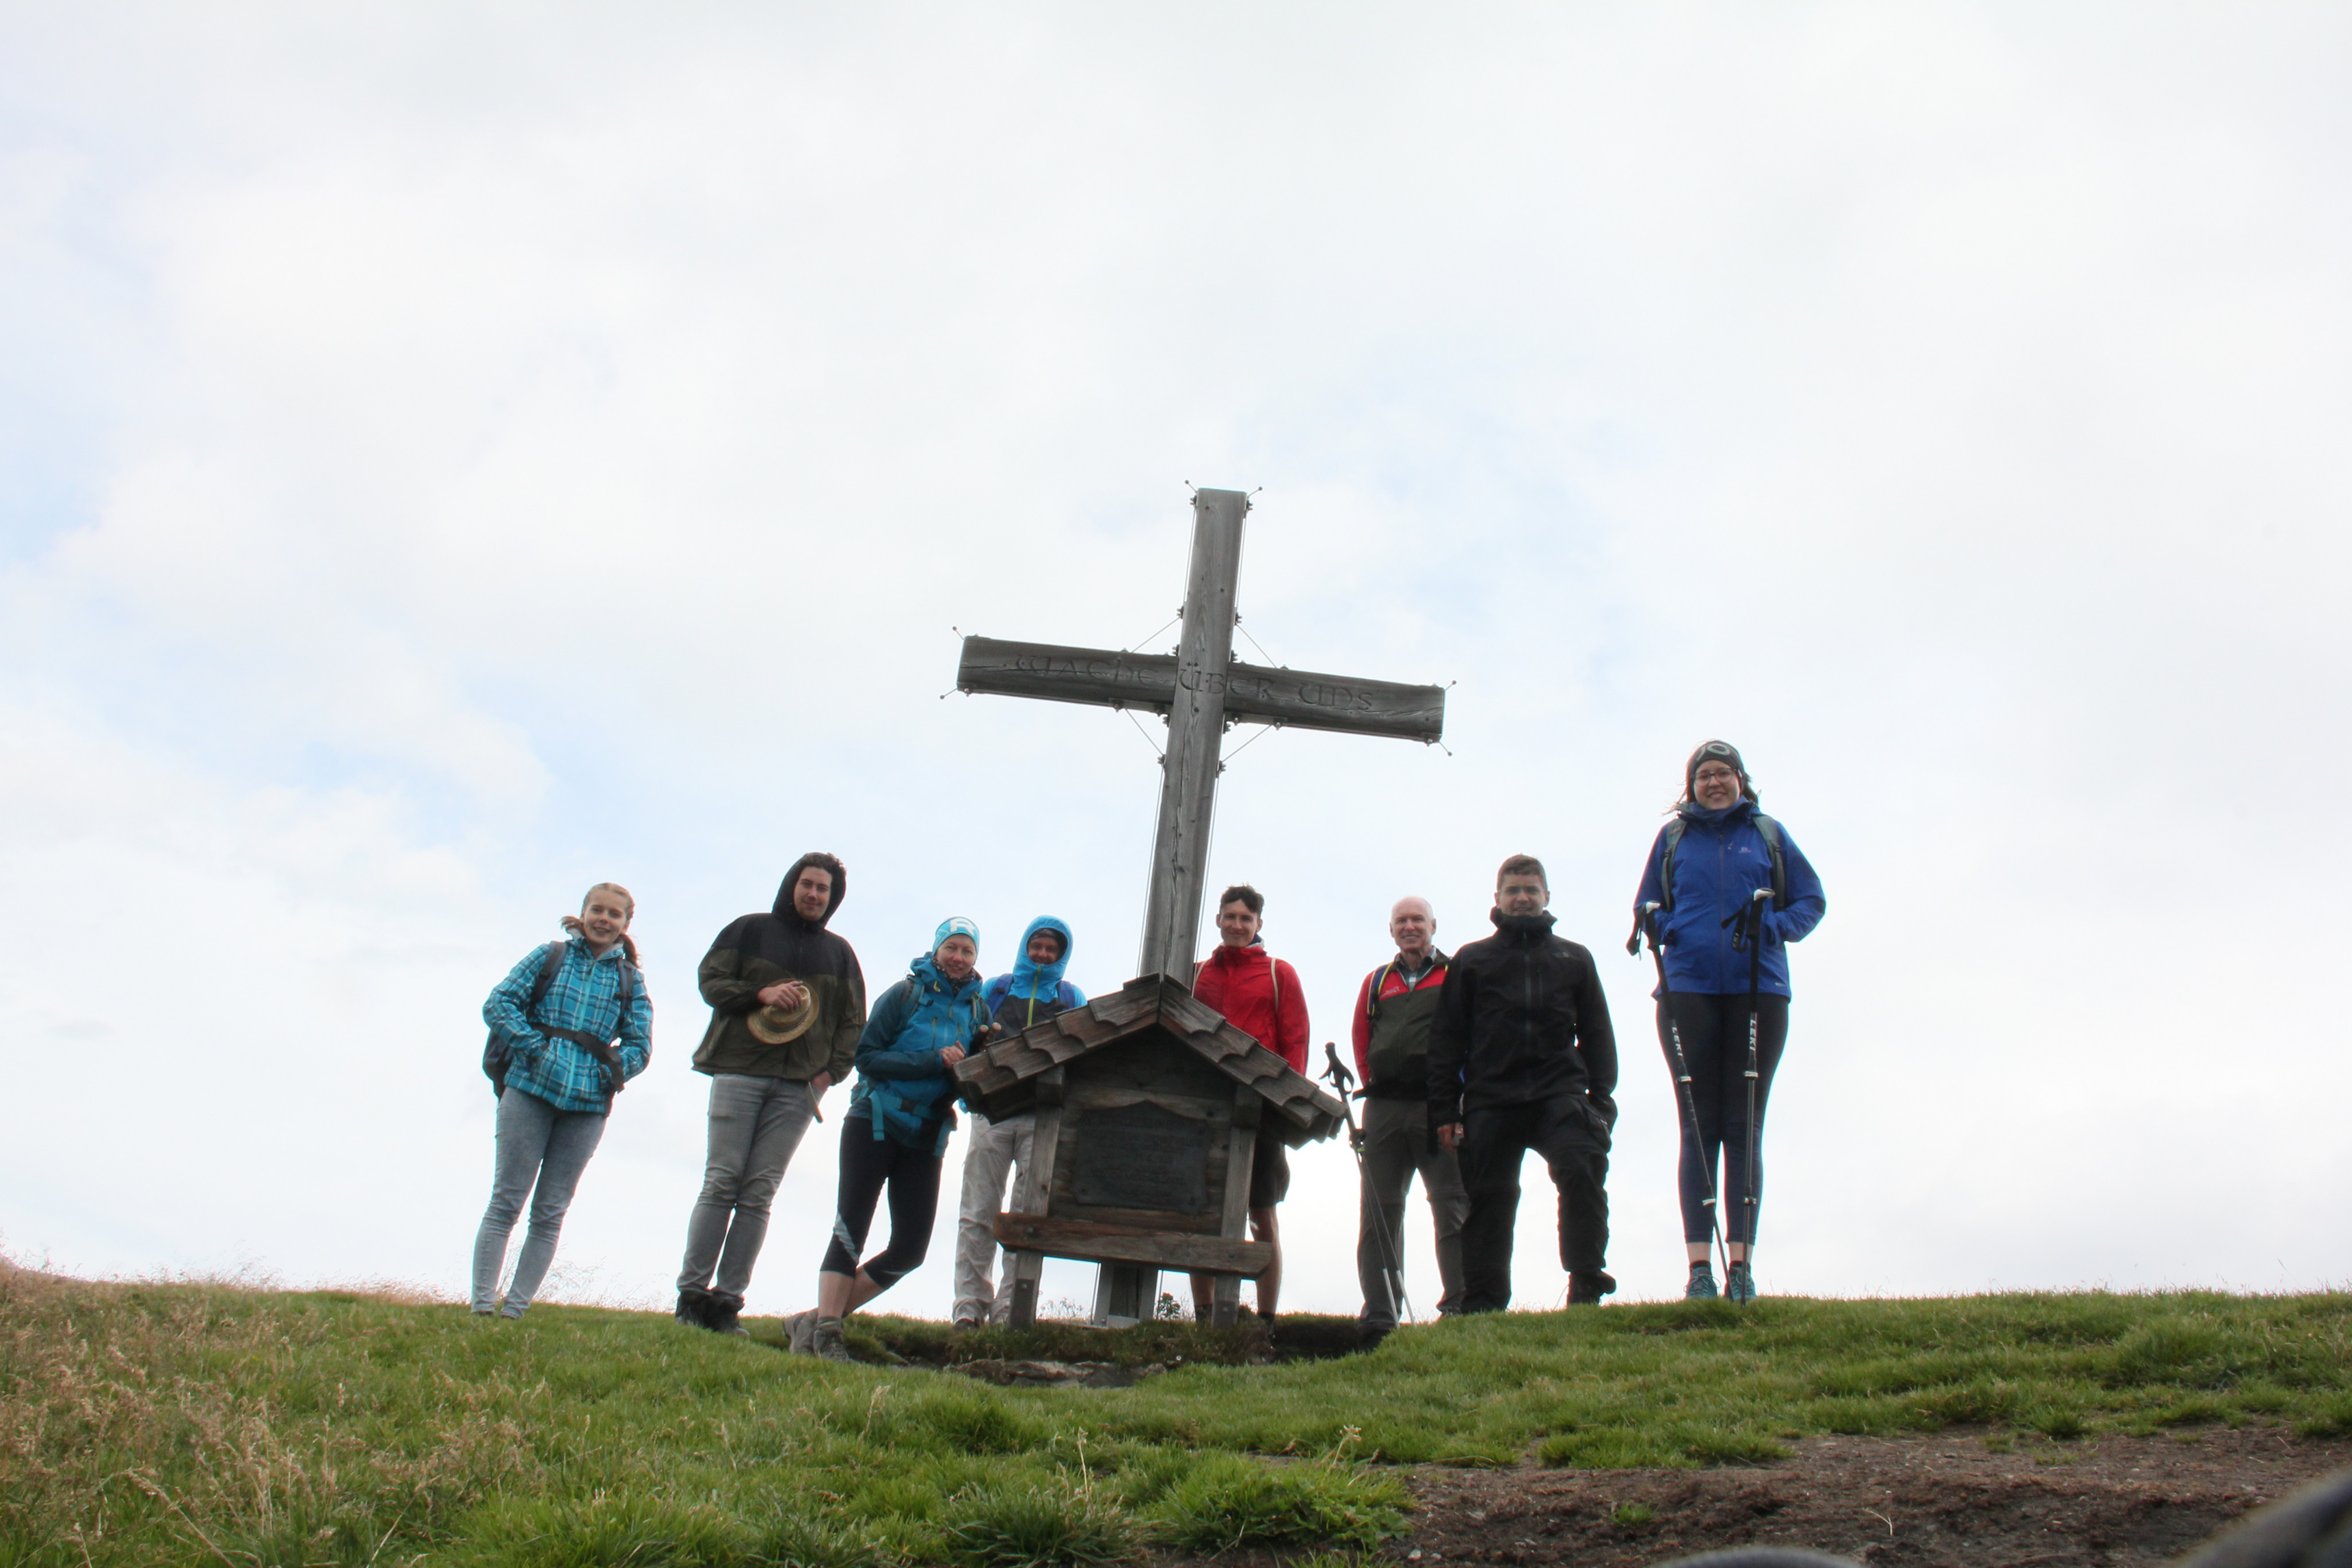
1259	995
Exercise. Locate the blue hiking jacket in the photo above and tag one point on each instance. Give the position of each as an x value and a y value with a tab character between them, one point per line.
1034	991
902	1084
1720	864
585	995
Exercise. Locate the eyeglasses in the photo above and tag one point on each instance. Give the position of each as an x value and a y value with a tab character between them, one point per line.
1715	776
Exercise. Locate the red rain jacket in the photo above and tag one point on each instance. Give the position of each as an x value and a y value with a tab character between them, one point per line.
1259	995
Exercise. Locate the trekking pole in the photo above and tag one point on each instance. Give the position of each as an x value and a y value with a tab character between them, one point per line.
1645	923
1748	923
1390	1265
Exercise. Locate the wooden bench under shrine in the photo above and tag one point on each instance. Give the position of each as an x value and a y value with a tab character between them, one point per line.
1149	1106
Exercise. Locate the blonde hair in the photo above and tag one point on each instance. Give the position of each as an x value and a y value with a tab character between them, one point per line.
571	922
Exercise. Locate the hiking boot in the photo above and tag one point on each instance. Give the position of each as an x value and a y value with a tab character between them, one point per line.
1739	1284
1586	1289
800	1330
1701	1287
693	1307
724	1315
826	1343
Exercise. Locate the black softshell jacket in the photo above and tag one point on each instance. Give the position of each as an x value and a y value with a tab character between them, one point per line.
1521	1018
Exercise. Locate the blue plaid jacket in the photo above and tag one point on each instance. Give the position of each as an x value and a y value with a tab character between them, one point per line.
585	996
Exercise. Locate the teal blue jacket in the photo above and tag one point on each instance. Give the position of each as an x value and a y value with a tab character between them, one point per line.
904	1089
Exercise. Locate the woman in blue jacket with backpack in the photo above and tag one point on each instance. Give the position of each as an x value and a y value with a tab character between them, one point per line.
1725	891
895	1132
569	1026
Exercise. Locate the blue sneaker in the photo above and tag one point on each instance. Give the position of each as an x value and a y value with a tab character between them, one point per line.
1739	1285
1702	1284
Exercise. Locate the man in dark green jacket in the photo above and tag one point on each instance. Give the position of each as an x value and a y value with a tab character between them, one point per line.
787	1004
1393	1010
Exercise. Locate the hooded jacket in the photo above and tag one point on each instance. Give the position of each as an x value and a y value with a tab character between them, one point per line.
755	951
1259	995
1521	1018
904	1090
1720	863
1033	992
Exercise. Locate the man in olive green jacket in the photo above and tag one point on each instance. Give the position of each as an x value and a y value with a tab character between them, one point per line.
787	1004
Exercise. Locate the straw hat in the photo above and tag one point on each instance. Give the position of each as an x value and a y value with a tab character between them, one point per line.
776	1026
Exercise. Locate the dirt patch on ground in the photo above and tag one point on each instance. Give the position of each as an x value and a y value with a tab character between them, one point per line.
1945	1502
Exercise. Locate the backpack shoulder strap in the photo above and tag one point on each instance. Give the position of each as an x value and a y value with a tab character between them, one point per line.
1372	985
632	984
550	962
998	990
1666	871
1771	831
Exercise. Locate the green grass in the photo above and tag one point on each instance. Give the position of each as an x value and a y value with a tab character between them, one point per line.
184	1424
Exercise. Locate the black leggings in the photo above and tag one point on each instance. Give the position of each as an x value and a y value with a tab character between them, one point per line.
1714	1043
869	1164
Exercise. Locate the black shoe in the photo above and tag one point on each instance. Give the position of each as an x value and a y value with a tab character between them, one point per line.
723	1314
693	1307
1586	1289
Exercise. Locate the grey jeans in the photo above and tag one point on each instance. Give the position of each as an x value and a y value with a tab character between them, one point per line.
755	1126
994	1148
1397	1144
541	1152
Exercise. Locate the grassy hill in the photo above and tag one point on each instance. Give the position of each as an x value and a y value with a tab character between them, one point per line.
145	1424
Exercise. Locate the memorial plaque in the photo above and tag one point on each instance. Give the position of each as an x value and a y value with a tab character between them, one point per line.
1142	1157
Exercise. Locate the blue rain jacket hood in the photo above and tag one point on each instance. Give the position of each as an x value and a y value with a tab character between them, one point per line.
1040	983
902	1084
1720	863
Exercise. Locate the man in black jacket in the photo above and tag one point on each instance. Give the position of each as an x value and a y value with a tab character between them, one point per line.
1522	1057
787	1002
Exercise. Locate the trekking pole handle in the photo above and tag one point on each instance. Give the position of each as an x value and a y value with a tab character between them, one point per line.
1759	895
1340	1078
1644	925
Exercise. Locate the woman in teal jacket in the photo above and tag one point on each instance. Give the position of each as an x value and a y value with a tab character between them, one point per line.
897	1128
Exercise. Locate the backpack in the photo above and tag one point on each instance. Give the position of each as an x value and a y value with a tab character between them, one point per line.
498	1048
1764	825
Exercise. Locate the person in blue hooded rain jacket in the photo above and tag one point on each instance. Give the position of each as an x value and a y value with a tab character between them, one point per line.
896	1131
1723	851
1033	992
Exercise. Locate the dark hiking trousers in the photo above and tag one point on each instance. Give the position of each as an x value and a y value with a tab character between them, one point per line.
1397	1145
868	1165
1714	1043
1574	1143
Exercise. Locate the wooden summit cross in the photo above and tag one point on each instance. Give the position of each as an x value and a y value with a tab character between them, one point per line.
1201	691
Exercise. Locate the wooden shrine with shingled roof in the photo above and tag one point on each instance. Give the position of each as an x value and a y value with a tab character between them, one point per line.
1149	1106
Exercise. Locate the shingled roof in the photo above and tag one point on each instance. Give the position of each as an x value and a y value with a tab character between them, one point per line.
1000	1080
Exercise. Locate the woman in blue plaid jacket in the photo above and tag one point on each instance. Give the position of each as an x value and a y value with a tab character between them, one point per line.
562	1069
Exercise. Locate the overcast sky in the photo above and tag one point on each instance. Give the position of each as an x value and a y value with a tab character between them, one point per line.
453	455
